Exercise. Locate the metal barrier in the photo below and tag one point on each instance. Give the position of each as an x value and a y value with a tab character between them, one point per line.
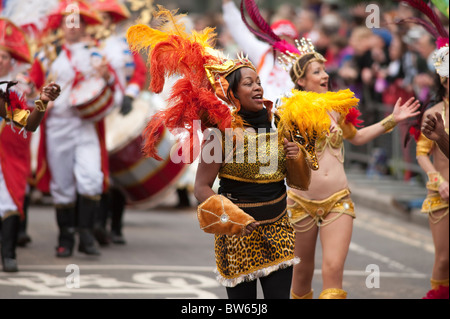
400	162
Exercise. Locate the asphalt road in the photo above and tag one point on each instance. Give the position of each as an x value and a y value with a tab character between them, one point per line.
167	256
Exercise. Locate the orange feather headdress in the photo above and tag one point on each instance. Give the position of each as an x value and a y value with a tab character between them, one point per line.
200	93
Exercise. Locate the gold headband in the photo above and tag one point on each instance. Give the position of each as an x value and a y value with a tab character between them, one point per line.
305	47
213	72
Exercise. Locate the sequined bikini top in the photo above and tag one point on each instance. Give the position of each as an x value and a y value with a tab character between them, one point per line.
333	139
246	161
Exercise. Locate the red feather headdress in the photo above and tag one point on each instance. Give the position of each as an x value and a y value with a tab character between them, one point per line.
265	32
200	93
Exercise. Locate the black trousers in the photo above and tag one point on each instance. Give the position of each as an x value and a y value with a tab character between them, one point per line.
277	285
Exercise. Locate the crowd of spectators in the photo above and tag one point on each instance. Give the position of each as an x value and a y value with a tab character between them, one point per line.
366	48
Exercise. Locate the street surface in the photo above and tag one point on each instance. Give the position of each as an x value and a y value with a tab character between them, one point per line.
167	256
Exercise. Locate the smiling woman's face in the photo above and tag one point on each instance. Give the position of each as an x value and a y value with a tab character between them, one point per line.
249	91
315	79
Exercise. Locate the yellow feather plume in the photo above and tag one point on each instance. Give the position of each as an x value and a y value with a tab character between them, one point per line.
308	111
141	37
168	23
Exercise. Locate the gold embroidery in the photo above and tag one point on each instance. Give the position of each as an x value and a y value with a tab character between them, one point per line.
432	204
388	123
248	161
247	205
319	210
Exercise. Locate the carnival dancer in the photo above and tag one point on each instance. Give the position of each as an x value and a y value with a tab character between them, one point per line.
72	162
429	156
434	129
17	118
435	163
263	54
248	216
327	204
130	72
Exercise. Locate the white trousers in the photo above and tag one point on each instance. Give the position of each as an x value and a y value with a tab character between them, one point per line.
6	202
73	153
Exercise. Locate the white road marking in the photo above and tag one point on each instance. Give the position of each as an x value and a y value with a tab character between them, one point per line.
394	231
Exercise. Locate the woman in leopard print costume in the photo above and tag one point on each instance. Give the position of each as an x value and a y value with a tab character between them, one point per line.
265	252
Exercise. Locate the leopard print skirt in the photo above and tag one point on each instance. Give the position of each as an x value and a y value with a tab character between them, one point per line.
268	248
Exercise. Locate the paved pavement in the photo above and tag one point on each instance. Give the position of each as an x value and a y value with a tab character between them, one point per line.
167	257
388	195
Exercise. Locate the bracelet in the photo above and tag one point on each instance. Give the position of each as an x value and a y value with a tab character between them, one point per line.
435	180
41	106
388	123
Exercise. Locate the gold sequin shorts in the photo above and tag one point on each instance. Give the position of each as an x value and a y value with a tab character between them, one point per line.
339	202
433	203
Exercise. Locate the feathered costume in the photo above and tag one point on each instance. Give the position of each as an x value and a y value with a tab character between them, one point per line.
16	106
265	32
433	202
202	94
303	115
172	51
433	26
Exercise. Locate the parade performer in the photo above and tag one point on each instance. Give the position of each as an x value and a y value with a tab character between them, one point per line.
327	201
30	17
429	156
253	239
327	204
17	118
72	161
434	129
305	114
130	73
436	164
263	54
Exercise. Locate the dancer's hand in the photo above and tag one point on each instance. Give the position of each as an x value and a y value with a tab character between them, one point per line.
290	149
443	190
404	111
250	228
50	92
433	126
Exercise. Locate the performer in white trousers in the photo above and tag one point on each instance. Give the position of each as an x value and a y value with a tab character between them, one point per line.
73	145
130	73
